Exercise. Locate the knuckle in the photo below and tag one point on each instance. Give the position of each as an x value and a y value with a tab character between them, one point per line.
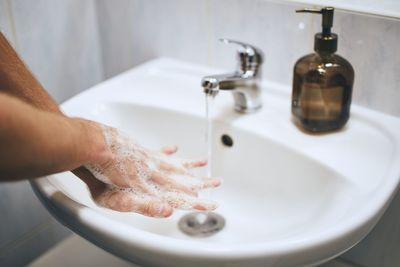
151	209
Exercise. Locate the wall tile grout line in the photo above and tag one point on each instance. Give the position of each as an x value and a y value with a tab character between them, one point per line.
101	48
12	24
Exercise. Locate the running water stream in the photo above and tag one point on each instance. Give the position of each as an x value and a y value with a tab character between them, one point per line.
209	108
204	224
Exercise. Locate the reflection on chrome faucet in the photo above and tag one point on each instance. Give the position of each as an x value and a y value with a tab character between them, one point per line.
244	82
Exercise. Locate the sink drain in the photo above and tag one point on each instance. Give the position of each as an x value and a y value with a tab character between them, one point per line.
201	224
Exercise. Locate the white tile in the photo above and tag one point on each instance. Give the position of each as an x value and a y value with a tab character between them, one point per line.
59	41
371	45
6	20
120	47
387	8
135	31
275	28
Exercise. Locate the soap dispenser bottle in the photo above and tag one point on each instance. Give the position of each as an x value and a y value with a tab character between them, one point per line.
322	82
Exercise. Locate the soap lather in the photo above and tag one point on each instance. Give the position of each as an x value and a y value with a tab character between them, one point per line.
322	82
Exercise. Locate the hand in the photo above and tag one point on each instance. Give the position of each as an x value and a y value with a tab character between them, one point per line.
151	183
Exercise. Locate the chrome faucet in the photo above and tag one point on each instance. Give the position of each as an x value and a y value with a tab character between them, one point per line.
244	82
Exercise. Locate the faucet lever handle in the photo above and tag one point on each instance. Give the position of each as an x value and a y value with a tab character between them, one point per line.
249	56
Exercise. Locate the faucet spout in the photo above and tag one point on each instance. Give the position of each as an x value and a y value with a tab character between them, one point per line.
245	90
210	85
244	83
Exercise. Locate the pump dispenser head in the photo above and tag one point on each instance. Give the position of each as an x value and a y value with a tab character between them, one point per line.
325	41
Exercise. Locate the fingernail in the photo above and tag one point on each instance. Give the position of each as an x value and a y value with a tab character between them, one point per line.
163	210
217	182
214	181
174	149
212	206
205	206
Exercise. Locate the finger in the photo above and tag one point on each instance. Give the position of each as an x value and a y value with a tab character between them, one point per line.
207	183
204	205
95	186
194	182
169	184
183	202
154	208
168	167
194	163
169	150
130	202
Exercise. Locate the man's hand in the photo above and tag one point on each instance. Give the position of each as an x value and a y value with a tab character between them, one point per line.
163	185
148	182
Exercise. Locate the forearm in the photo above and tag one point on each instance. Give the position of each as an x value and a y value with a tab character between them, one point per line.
17	80
36	143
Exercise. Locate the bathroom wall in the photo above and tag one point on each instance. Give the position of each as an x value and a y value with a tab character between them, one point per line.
59	41
72	44
134	31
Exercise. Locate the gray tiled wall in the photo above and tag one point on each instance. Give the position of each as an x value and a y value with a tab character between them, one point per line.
381	248
59	41
133	31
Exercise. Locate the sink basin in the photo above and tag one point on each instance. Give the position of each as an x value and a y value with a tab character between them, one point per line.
289	198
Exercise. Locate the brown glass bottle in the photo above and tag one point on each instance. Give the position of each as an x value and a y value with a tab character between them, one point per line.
322	89
322	82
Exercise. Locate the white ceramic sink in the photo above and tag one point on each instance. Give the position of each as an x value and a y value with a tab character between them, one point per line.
289	198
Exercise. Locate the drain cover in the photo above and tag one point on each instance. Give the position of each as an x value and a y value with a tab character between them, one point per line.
201	224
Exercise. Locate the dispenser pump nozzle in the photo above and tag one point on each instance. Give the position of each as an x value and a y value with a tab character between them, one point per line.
326	41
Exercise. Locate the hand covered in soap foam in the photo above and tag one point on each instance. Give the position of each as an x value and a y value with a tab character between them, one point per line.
148	182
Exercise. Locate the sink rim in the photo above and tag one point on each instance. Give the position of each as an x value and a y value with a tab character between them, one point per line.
357	227
63	205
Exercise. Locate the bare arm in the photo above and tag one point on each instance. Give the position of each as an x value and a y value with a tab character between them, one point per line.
37	139
18	81
35	143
